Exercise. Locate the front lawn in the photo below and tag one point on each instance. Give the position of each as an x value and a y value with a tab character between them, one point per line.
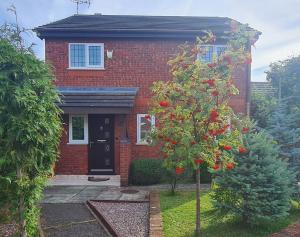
178	214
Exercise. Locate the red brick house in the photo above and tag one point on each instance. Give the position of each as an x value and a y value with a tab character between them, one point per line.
105	66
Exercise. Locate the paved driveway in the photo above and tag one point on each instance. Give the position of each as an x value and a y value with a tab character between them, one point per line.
70	219
64	212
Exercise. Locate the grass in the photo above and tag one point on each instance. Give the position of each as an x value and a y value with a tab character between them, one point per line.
178	214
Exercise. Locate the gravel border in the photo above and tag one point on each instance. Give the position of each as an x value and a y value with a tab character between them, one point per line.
9	229
123	218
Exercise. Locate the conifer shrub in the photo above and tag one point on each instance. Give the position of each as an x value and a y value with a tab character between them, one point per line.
260	186
285	130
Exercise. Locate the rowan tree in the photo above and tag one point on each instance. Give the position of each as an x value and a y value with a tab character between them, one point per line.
194	121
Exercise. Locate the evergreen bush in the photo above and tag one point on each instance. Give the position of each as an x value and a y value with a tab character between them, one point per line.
285	131
30	128
259	188
262	107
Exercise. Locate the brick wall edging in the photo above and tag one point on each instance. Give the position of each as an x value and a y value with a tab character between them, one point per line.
155	228
102	220
94	213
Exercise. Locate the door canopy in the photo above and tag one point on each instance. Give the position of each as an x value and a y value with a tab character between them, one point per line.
97	100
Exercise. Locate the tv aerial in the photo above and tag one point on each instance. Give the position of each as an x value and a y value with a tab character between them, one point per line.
79	2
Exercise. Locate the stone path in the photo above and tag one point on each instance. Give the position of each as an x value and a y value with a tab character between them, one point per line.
80	194
82	180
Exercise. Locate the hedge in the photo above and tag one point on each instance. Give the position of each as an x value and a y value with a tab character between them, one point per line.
146	171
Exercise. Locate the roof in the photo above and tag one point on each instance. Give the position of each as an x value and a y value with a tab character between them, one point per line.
97	99
134	26
262	88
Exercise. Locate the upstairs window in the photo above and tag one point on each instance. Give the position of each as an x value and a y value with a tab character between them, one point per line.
144	124
86	56
210	51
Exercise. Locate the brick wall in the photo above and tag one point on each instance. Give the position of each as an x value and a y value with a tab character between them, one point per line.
125	159
73	158
135	63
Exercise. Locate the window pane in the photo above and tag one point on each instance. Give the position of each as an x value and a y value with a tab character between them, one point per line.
220	50
207	55
77	128
77	55
94	55
145	127
143	135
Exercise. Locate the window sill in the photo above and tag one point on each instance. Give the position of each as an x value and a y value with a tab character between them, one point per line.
86	68
77	143
142	144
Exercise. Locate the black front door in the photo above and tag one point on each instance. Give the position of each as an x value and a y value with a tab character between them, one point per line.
101	143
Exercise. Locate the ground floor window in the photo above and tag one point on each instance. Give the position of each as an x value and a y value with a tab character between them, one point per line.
78	129
144	124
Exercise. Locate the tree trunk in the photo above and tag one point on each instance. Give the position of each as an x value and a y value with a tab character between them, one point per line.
198	220
21	209
173	185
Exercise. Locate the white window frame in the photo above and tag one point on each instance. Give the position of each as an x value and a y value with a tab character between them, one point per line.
139	141
85	126
215	47
88	66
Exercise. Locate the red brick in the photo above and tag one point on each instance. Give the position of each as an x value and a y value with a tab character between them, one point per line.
135	63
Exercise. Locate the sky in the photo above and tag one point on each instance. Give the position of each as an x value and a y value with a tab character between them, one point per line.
278	20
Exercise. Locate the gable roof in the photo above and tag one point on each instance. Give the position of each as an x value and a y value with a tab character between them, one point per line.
98	25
